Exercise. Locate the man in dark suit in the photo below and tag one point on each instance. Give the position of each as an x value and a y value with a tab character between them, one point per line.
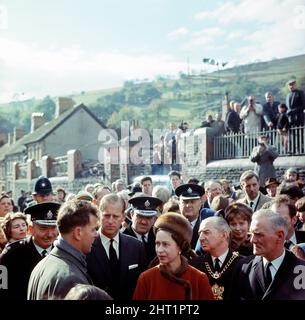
116	260
249	182
274	273
143	216
270	111
295	102
282	206
21	257
219	263
190	204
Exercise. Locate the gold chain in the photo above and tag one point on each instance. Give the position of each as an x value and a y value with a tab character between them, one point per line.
217	275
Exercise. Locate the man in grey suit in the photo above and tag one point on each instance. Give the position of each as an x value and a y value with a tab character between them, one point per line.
249	183
274	273
65	266
263	156
116	259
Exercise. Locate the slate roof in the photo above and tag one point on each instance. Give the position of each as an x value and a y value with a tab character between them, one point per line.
43	131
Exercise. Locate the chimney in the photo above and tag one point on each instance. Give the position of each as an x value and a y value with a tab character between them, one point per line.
37	120
63	104
18	133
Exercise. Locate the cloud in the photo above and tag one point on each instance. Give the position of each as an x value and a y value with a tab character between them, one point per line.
178	33
259	11
260	29
40	71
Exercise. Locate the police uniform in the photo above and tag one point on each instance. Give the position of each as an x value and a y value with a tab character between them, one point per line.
191	192
43	186
147	207
20	257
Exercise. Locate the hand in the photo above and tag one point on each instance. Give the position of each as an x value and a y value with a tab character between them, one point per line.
270	124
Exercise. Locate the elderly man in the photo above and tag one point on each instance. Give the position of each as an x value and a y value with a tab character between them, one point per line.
116	259
143	216
249	183
21	257
213	188
65	266
219	263
190	204
271	185
274	273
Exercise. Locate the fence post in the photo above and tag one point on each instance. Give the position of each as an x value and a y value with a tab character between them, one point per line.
74	164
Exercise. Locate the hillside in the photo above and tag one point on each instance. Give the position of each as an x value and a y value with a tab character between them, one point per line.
156	103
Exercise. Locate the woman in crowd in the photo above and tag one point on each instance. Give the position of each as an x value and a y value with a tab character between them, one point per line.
5	205
15	226
238	216
173	278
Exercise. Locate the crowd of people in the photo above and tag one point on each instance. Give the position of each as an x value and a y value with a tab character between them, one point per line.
197	241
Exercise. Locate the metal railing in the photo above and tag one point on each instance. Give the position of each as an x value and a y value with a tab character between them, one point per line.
240	145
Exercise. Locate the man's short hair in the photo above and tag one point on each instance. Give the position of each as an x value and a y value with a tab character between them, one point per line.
111	198
249	174
146	179
284	200
174	173
275	220
75	213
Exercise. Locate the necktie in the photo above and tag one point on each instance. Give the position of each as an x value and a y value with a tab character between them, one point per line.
44	253
288	244
268	275
143	239
114	269
113	258
217	265
251	204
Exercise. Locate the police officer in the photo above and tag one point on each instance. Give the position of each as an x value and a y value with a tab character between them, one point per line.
43	191
21	257
143	215
190	202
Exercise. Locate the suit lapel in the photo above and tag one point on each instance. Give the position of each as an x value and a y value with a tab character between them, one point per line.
257	276
101	257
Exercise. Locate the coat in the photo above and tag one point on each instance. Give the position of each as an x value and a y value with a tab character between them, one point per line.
261	201
20	258
149	245
132	260
295	102
250	280
225	280
153	286
55	275
264	158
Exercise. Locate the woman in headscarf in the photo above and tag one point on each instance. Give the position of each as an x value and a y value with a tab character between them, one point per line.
173	278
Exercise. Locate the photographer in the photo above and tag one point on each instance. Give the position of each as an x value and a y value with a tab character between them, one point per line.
251	115
264	155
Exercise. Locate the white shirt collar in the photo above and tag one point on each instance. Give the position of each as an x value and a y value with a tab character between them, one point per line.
255	201
39	249
139	236
193	223
106	242
221	258
276	263
293	239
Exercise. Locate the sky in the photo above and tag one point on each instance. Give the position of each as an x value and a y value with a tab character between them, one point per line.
61	47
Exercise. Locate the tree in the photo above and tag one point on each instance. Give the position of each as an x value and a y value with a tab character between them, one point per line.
47	106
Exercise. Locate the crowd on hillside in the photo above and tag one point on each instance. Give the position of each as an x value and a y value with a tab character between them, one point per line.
199	240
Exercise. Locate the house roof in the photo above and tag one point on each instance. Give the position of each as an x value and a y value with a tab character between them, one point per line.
43	131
